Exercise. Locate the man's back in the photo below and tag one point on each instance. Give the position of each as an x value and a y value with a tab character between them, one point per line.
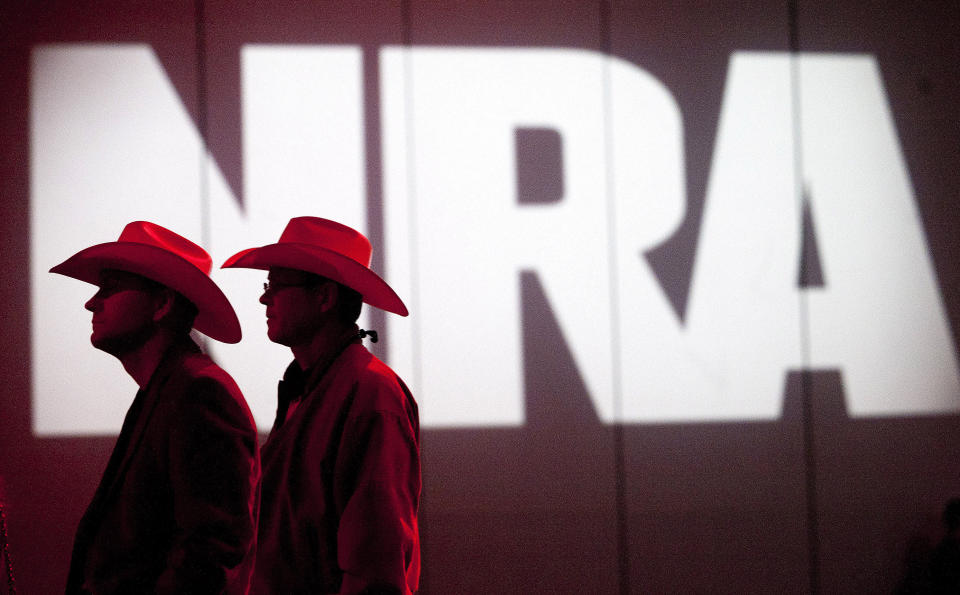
176	509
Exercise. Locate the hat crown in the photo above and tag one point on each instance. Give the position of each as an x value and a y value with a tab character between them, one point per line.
328	249
329	235
168	258
151	234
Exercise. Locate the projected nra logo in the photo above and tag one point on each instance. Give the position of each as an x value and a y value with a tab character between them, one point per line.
806	162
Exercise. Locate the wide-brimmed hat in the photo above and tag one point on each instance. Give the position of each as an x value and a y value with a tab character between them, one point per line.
161	255
328	249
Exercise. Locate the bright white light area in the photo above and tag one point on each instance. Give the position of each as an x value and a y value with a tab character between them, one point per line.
881	316
111	143
471	239
303	154
449	116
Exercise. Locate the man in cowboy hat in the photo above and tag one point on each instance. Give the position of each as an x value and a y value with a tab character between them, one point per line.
176	509
341	468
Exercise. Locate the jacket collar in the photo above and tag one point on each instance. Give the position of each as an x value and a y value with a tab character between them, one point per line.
298	382
150	395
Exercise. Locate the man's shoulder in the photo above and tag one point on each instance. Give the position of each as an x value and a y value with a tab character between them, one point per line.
368	369
199	366
197	381
373	383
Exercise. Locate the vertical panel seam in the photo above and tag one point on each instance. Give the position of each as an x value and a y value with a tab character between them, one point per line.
806	391
202	126
620	500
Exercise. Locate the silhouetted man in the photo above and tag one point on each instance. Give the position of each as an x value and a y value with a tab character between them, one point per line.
341	468
945	561
175	511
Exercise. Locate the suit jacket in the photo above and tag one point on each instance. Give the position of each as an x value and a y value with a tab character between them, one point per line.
176	509
341	483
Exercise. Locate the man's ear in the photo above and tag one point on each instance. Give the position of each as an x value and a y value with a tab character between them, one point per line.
164	303
327	295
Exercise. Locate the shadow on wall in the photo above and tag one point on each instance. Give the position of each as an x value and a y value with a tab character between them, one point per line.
930	568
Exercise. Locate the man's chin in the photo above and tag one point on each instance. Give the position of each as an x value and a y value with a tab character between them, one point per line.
277	337
115	346
275	333
105	344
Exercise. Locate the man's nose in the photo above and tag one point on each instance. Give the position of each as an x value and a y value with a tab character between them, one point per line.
93	303
265	298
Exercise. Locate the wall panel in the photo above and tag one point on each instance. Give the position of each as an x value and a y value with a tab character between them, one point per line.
619	469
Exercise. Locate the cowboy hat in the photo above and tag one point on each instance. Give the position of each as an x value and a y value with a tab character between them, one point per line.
161	255
328	249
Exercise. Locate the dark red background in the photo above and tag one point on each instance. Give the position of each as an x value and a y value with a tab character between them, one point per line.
814	502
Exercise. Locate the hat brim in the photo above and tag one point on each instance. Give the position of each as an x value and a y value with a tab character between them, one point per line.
215	316
326	263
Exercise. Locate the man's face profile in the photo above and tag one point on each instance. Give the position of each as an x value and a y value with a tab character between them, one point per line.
293	315
123	310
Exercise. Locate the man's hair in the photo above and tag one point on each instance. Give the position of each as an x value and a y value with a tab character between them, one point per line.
349	303
179	320
181	316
